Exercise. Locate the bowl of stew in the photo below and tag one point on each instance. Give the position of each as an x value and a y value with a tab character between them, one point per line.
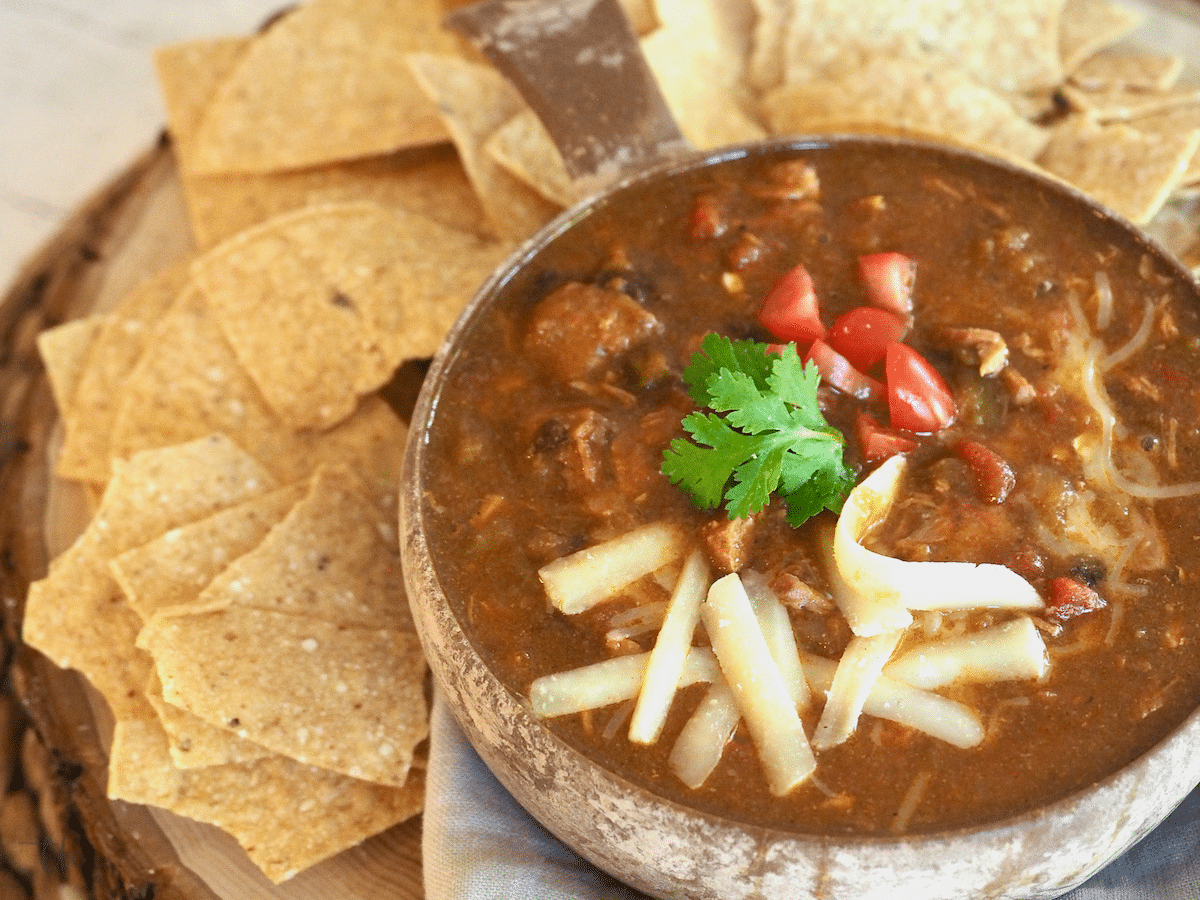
819	518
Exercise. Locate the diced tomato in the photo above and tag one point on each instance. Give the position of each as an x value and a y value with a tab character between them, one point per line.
862	335
994	478
708	220
877	442
1069	597
836	370
918	398
790	310
889	278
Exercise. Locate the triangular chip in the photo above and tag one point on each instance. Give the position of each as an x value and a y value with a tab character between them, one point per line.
64	352
524	147
287	816
77	615
88	422
1010	46
474	101
698	57
1128	69
332	557
321	305
1131	171
427	180
189	383
1087	26
194	743
341	697
327	83
176	566
1120	104
901	96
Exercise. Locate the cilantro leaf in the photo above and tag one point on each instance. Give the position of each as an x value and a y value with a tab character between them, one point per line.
758	431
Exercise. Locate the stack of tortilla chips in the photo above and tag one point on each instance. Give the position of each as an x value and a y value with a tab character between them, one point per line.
352	173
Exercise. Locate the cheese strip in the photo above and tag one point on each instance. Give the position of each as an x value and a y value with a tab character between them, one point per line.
579	581
670	651
931	713
759	688
700	744
879	584
1009	651
857	670
610	681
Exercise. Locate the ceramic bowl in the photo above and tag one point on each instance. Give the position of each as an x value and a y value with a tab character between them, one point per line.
671	851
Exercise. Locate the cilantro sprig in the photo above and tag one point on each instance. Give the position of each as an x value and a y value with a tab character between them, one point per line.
757	425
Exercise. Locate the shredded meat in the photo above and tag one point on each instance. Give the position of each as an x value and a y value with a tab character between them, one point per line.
977	346
728	542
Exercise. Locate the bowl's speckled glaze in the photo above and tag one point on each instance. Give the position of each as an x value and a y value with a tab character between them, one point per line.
670	851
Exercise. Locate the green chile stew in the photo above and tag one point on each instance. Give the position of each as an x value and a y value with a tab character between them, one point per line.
1057	436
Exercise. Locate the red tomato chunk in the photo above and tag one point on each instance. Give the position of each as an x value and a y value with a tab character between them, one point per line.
790	310
889	278
918	398
863	334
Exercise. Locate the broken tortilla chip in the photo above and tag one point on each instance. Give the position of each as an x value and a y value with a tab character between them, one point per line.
321	305
898	96
327	83
286	815
337	696
1132	172
88	421
1011	46
332	557
64	350
77	615
174	567
474	101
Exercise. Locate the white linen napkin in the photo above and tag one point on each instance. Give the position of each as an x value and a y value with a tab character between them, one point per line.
478	844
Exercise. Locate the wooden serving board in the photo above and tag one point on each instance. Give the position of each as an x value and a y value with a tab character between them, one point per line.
133	227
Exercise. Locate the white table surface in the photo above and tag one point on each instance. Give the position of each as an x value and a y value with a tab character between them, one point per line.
78	99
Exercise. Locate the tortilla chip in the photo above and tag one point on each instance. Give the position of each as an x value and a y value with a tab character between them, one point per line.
77	615
898	96
322	305
88	422
333	557
1131	171
700	68
189	75
328	83
474	101
189	383
337	696
1171	123
1121	104
1125	69
173	568
288	816
524	147
194	743
1087	26
430	182
1010	46
767	61
64	351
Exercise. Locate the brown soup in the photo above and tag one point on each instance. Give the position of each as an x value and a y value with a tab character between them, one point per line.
1072	361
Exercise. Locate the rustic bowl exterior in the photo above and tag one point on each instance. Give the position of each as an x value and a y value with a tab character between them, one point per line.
670	851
